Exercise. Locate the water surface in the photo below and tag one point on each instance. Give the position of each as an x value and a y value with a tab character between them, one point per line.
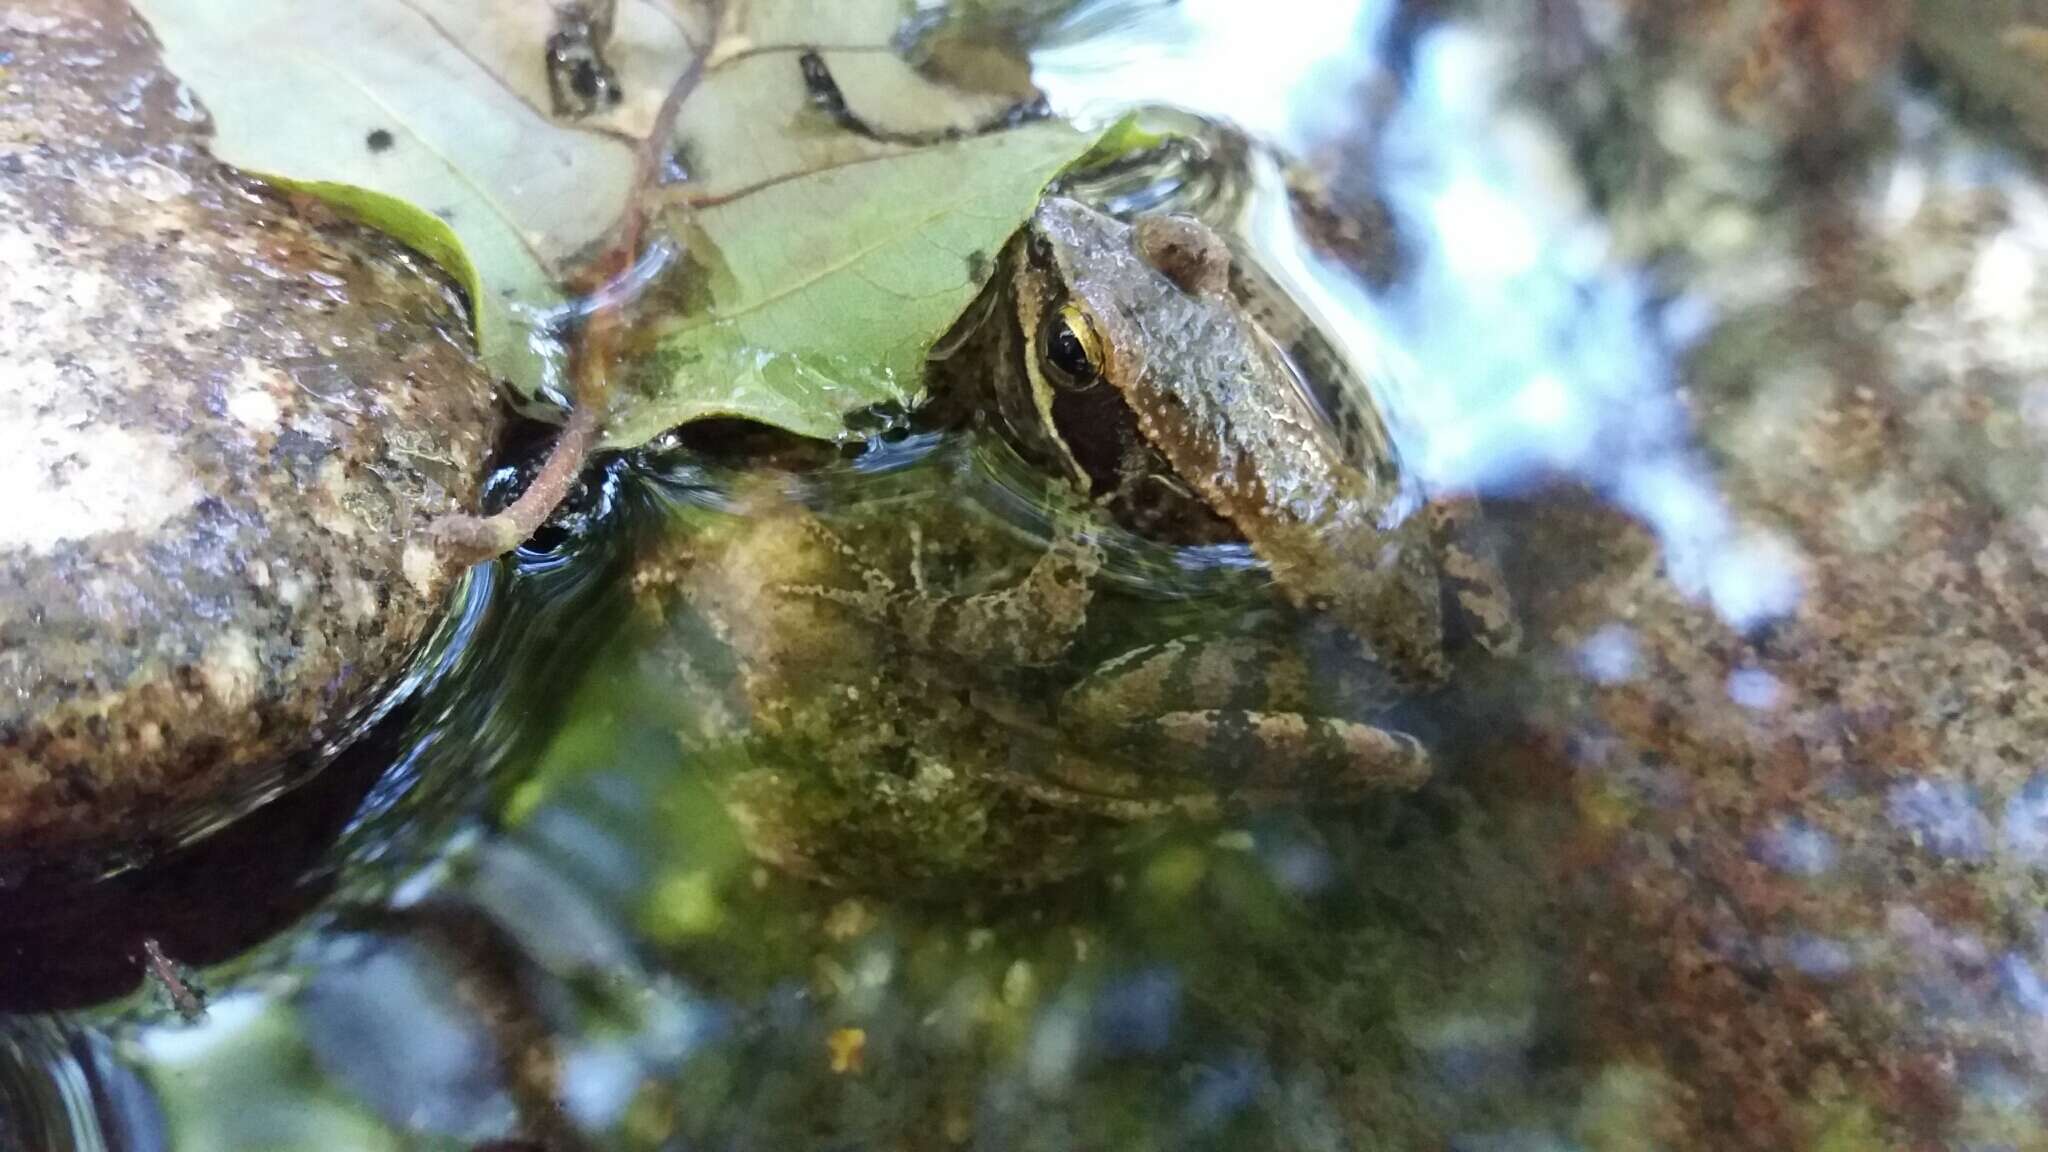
1736	318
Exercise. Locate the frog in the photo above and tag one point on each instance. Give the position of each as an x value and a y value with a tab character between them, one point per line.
1125	358
925	691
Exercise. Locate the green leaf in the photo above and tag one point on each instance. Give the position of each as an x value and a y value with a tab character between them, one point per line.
427	118
830	242
755	25
823	292
754	119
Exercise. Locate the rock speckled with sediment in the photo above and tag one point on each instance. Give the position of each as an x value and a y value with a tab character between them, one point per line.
225	423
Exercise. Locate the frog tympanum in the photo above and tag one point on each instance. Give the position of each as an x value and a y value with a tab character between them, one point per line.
926	695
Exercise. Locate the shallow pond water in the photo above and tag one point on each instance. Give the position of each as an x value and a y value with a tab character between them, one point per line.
1734	315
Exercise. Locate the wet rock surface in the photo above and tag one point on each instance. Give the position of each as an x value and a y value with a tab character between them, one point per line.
1802	903
1993	52
1814	849
226	422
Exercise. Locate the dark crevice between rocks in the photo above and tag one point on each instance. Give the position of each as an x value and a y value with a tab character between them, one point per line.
68	944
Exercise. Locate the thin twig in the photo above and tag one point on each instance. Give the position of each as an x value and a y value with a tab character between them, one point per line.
469	539
188	1000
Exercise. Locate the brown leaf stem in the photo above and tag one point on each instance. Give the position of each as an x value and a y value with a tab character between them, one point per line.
470	539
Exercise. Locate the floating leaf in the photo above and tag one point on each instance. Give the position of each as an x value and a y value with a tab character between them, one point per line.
752	121
843	211
823	292
428	118
757	116
842	207
767	25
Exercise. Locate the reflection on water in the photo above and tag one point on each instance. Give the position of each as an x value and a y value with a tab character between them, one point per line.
63	1087
1217	59
1743	336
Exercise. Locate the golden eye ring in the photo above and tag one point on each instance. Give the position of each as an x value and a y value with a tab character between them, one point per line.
1072	349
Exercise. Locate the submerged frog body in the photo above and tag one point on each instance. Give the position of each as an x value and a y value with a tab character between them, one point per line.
923	695
926	696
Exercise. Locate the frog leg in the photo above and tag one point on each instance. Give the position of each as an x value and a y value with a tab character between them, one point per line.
1228	760
1381	584
1475	586
1189	672
1233	722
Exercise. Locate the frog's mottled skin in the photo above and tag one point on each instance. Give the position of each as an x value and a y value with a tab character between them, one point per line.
1192	402
850	755
924	696
922	701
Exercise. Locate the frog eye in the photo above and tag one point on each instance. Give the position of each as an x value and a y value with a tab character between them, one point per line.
1073	352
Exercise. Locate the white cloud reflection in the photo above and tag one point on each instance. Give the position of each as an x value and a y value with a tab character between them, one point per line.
1281	70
